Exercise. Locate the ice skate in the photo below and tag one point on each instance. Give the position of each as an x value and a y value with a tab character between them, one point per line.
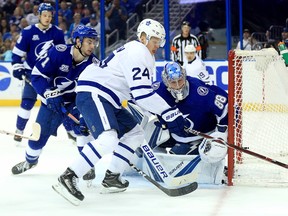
67	187
89	176
113	183
22	167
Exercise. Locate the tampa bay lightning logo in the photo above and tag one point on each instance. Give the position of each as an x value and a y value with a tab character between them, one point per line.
202	91
5	78
42	48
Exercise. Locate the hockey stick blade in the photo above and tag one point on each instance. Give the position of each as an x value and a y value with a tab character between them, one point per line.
36	130
239	148
173	192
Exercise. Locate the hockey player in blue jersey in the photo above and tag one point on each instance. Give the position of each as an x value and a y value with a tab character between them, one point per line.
54	78
33	42
126	72
205	108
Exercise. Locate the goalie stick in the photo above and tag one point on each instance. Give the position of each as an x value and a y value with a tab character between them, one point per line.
239	148
151	158
36	130
173	192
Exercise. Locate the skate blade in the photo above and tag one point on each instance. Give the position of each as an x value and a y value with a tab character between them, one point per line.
62	191
89	183
109	190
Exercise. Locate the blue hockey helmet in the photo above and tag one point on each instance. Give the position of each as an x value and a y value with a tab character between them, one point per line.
174	77
82	32
45	7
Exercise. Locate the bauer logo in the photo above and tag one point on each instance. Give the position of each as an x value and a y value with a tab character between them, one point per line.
154	161
5	78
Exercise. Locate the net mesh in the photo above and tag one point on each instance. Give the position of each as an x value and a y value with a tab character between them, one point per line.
260	116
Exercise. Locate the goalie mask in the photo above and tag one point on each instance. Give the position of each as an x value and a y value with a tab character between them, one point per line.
174	77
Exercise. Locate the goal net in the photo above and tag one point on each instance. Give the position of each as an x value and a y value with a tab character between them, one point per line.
258	117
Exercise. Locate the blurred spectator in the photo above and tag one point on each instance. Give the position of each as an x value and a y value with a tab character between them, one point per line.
4	27
86	15
117	16
17	16
23	24
246	40
133	6
63	26
94	23
95	7
285	36
32	18
27	8
77	22
181	40
12	32
65	12
203	38
79	8
8	9
9	45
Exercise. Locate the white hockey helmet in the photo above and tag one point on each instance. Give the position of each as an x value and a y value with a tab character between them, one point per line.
211	151
190	48
152	28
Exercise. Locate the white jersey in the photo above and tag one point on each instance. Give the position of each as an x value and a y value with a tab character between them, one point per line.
197	68
124	75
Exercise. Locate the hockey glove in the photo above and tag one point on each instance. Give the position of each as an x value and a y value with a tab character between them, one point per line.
81	128
54	100
18	71
174	121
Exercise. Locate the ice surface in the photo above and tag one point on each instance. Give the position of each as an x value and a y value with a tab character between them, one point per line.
31	193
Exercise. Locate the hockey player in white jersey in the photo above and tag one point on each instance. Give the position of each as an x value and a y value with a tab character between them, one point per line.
125	74
195	67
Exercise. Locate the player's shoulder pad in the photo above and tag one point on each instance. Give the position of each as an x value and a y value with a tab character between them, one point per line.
28	27
61	47
57	27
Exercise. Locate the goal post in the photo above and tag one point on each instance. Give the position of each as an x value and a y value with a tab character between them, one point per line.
258	117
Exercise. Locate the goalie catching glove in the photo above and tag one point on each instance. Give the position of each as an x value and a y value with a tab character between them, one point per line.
54	100
211	151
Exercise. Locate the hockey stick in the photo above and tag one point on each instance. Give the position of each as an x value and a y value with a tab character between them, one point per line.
65	111
36	130
239	148
173	192
26	80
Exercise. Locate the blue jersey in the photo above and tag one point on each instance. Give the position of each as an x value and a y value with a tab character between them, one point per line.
206	105
58	70
34	43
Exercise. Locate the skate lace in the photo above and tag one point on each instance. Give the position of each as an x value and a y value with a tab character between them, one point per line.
74	182
22	166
